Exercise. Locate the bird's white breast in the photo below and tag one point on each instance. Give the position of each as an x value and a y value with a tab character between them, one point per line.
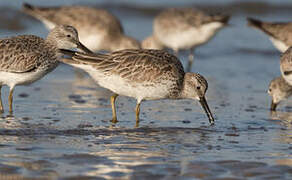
124	87
138	90
12	79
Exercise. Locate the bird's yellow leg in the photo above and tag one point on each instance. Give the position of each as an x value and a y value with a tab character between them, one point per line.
1	105
137	113
10	99
113	100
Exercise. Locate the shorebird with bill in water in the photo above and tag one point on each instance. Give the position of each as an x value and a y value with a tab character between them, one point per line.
279	90
142	74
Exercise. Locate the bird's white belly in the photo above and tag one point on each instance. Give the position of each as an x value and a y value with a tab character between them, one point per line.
12	79
183	40
280	45
190	38
122	87
137	90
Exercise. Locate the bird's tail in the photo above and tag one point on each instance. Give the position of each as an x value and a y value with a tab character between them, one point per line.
83	58
27	6
254	23
262	26
29	9
221	18
37	12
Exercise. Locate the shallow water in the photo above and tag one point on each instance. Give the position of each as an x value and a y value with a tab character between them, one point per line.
61	129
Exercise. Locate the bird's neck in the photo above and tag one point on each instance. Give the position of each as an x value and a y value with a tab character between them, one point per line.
51	41
183	92
51	45
186	92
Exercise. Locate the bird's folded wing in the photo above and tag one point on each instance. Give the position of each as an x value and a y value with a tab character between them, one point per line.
17	57
134	65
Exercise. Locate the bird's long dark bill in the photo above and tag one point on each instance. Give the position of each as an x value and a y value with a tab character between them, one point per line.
273	106
207	109
83	48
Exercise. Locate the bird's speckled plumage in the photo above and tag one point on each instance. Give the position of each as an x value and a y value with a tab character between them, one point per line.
25	59
139	66
26	53
143	74
280	33
98	29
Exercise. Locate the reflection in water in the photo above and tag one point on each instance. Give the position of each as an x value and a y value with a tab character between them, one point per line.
124	161
287	162
285	118
113	152
10	122
139	149
123	153
284	136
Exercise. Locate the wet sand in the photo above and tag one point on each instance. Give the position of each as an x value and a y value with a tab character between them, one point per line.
61	128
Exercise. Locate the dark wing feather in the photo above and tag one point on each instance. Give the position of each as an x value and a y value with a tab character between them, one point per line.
23	53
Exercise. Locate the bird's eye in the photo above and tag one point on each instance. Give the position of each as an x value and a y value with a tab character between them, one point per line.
68	35
198	87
